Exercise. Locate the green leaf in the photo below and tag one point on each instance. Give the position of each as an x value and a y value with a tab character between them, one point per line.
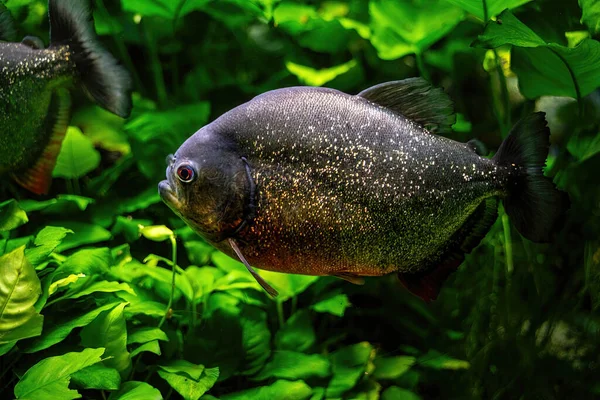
392	367
542	68
83	287
109	330
97	376
157	233
396	393
293	365
436	360
189	380
83	233
11	215
297	333
281	390
349	365
49	378
46	241
407	27
146	334
318	77
58	332
591	15
288	285
19	290
151	346
134	390
202	280
494	7
335	303
95	261
77	156
63	203
256	339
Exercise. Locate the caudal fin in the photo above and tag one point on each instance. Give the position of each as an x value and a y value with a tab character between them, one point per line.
102	78
535	206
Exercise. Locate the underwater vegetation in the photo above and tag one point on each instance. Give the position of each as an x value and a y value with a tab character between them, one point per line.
105	293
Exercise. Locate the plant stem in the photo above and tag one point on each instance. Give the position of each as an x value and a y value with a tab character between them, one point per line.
421	67
280	313
294	304
69	184
507	245
159	79
174	268
485	11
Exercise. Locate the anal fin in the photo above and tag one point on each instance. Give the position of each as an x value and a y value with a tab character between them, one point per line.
37	179
268	288
428	283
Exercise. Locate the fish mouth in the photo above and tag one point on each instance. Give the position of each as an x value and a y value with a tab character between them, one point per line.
168	196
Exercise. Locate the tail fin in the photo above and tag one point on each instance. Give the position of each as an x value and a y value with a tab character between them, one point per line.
103	79
535	206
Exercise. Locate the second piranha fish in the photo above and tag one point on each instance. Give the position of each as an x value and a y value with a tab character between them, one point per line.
315	181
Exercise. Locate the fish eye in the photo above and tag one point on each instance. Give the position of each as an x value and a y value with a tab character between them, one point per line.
185	173
33	42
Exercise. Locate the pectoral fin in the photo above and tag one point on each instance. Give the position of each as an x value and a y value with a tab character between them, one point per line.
355	279
37	179
268	288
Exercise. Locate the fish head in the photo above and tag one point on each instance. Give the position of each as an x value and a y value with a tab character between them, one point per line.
208	185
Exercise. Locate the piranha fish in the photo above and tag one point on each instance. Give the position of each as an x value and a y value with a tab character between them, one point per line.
35	85
314	181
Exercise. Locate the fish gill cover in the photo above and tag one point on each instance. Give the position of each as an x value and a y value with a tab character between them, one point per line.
105	293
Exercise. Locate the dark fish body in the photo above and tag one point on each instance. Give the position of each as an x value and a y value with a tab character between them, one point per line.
35	85
343	185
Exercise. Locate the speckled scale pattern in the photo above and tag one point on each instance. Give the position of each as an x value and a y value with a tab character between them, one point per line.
27	79
348	186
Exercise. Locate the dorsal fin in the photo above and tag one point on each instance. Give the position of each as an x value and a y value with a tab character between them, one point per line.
8	32
417	100
428	283
478	147
37	179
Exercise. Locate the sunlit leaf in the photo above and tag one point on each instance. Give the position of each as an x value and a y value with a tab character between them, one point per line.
297	390
19	290
288	285
397	393
84	287
63	203
318	77
58	332
392	367
349	365
88	261
46	241
134	390
436	360
11	215
293	365
109	330
591	15
77	156
49	378
494	7
151	347
158	233
189	380
335	303
146	334
97	376
60	283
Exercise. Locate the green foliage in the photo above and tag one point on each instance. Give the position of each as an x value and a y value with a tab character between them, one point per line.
106	294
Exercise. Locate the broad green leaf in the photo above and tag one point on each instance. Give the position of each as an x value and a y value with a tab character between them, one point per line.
198	252
318	77
146	334
95	261
256	339
392	367
494	7
545	68
396	393
97	376
335	303
349	365
61	283
11	215
409	27
202	280
84	287
49	378
109	330
293	365
226	263
189	380
129	227
83	233
281	390
157	233
57	333
164	276
46	241
134	390
77	156
151	346
149	308
436	360
591	15
63	203
297	334
19	290
5	348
